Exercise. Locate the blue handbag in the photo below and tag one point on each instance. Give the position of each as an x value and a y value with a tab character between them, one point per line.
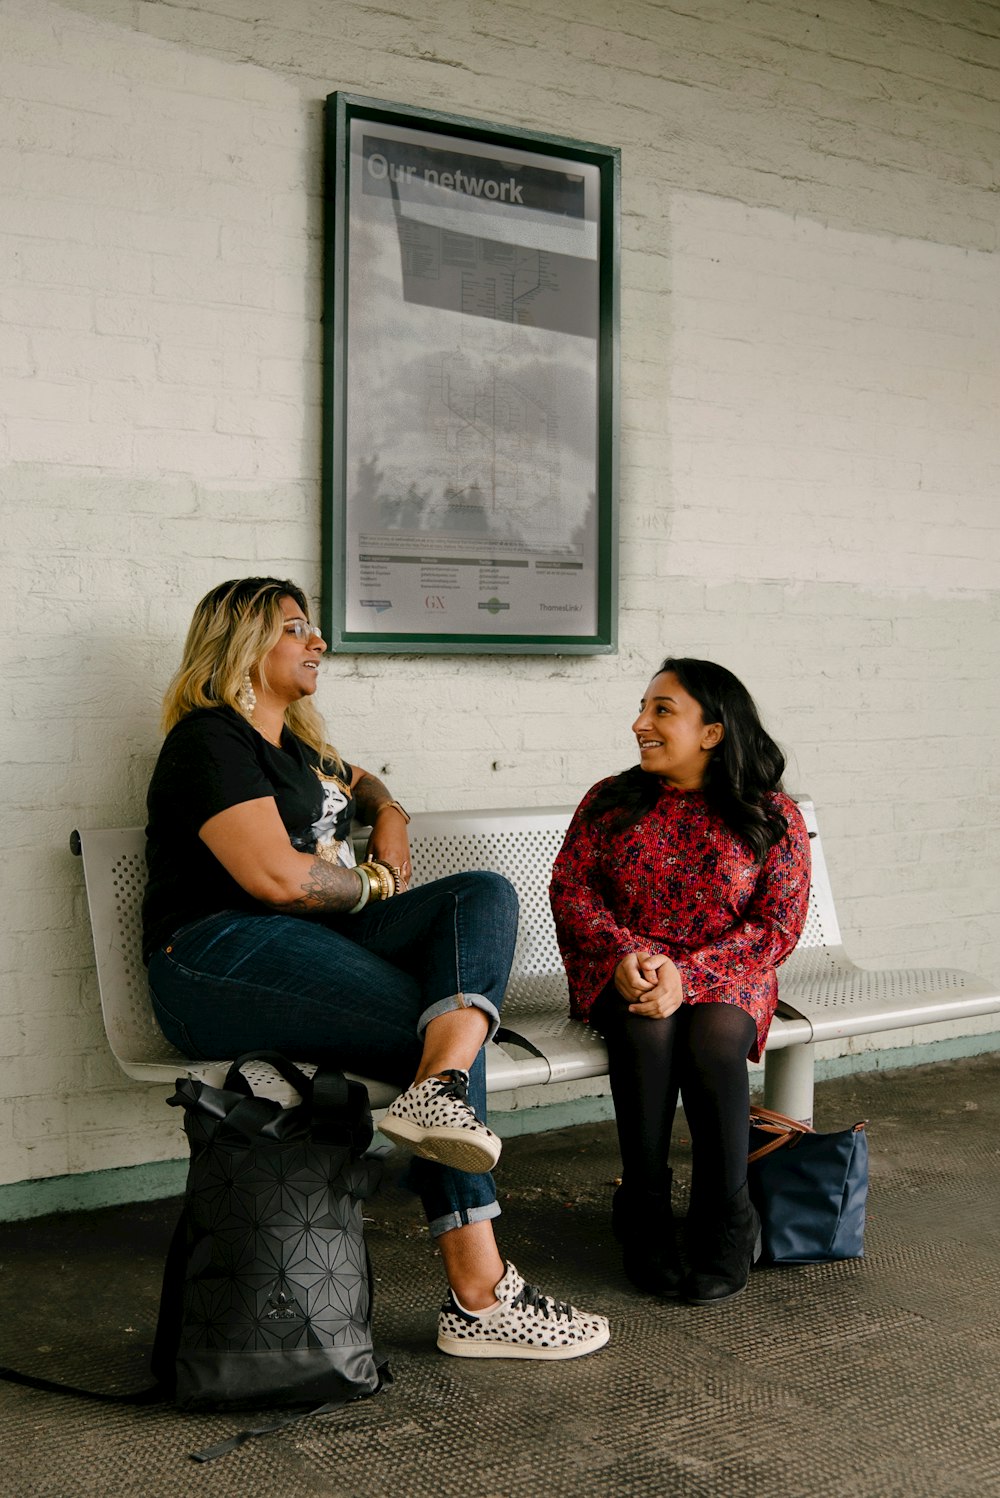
809	1189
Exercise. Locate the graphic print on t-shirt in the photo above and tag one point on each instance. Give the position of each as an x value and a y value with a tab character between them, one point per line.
329	837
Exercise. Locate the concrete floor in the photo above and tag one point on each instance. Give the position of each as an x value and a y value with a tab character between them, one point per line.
877	1377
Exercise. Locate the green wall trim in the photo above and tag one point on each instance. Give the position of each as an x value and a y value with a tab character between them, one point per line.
546	1116
955	1048
95	1188
146	1183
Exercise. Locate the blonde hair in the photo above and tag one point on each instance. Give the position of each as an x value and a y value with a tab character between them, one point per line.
233	629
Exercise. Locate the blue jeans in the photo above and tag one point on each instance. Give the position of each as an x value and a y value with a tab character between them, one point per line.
355	992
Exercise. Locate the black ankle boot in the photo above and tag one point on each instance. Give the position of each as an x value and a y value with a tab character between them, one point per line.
643	1223
722	1244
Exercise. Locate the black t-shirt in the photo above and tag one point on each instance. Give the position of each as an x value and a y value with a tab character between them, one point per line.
211	760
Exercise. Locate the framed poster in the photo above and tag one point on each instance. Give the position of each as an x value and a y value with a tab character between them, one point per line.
470	401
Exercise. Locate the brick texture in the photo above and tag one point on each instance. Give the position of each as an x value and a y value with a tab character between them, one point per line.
810	449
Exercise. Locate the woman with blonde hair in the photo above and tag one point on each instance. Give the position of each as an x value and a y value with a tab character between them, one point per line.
261	932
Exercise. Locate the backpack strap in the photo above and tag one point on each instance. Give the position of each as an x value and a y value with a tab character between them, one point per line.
156	1394
341	1113
237	1082
153	1395
209	1453
339	1110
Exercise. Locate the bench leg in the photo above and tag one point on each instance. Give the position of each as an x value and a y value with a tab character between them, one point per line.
788	1081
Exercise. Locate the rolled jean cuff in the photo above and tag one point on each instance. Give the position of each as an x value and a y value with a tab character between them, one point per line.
461	1001
462	1219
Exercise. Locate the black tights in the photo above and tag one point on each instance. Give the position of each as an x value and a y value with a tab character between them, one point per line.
699	1052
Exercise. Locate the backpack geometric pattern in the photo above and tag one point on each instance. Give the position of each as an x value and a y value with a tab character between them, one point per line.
279	1262
267	1287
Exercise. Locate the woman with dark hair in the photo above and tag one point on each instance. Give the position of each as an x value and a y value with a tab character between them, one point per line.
681	885
262	933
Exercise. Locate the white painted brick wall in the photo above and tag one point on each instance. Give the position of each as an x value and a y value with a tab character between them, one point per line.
810	450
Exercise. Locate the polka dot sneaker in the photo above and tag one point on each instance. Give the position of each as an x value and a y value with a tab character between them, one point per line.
434	1119
526	1324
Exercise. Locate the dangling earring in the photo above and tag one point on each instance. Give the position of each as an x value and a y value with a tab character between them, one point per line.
246	697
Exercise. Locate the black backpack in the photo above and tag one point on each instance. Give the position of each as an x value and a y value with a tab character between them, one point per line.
267	1288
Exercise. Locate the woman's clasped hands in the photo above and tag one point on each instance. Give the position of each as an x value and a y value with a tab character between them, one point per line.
650	984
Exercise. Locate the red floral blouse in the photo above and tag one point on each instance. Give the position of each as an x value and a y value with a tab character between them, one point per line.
680	882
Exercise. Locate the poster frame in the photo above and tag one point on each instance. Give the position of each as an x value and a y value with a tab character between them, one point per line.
342	110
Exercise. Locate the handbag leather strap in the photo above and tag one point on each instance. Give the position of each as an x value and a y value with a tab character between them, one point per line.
782	1129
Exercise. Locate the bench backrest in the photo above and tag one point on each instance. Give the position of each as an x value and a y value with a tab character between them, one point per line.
114	867
523	843
519	843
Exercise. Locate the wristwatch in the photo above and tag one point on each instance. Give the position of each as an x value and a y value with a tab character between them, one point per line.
396	807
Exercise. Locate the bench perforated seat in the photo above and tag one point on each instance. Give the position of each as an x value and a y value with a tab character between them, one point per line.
822	993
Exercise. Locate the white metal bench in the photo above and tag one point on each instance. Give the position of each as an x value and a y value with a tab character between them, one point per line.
823	994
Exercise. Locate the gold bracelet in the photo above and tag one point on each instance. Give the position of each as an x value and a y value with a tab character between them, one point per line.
380	877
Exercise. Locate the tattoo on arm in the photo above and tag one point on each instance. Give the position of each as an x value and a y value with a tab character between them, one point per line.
326	887
370	794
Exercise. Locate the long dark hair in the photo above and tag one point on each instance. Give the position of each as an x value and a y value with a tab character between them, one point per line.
745	766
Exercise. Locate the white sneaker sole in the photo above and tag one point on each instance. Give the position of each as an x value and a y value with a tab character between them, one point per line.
459	1148
463	1348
